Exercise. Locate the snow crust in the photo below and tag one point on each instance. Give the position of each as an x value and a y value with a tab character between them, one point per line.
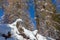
4	29
2	38
12	29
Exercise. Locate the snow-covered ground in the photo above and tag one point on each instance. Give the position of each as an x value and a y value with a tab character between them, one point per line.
10	32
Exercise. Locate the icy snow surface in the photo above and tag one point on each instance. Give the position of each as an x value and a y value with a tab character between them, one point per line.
2	38
33	35
4	29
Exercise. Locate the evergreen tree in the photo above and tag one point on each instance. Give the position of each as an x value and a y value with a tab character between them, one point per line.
45	11
17	9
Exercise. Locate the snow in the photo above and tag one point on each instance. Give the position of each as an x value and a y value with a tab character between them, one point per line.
35	17
29	34
35	32
48	16
18	20
42	9
47	11
17	37
33	35
12	38
46	4
51	12
4	29
14	30
13	26
2	38
40	37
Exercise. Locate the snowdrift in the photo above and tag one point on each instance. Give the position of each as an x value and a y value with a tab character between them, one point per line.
10	32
